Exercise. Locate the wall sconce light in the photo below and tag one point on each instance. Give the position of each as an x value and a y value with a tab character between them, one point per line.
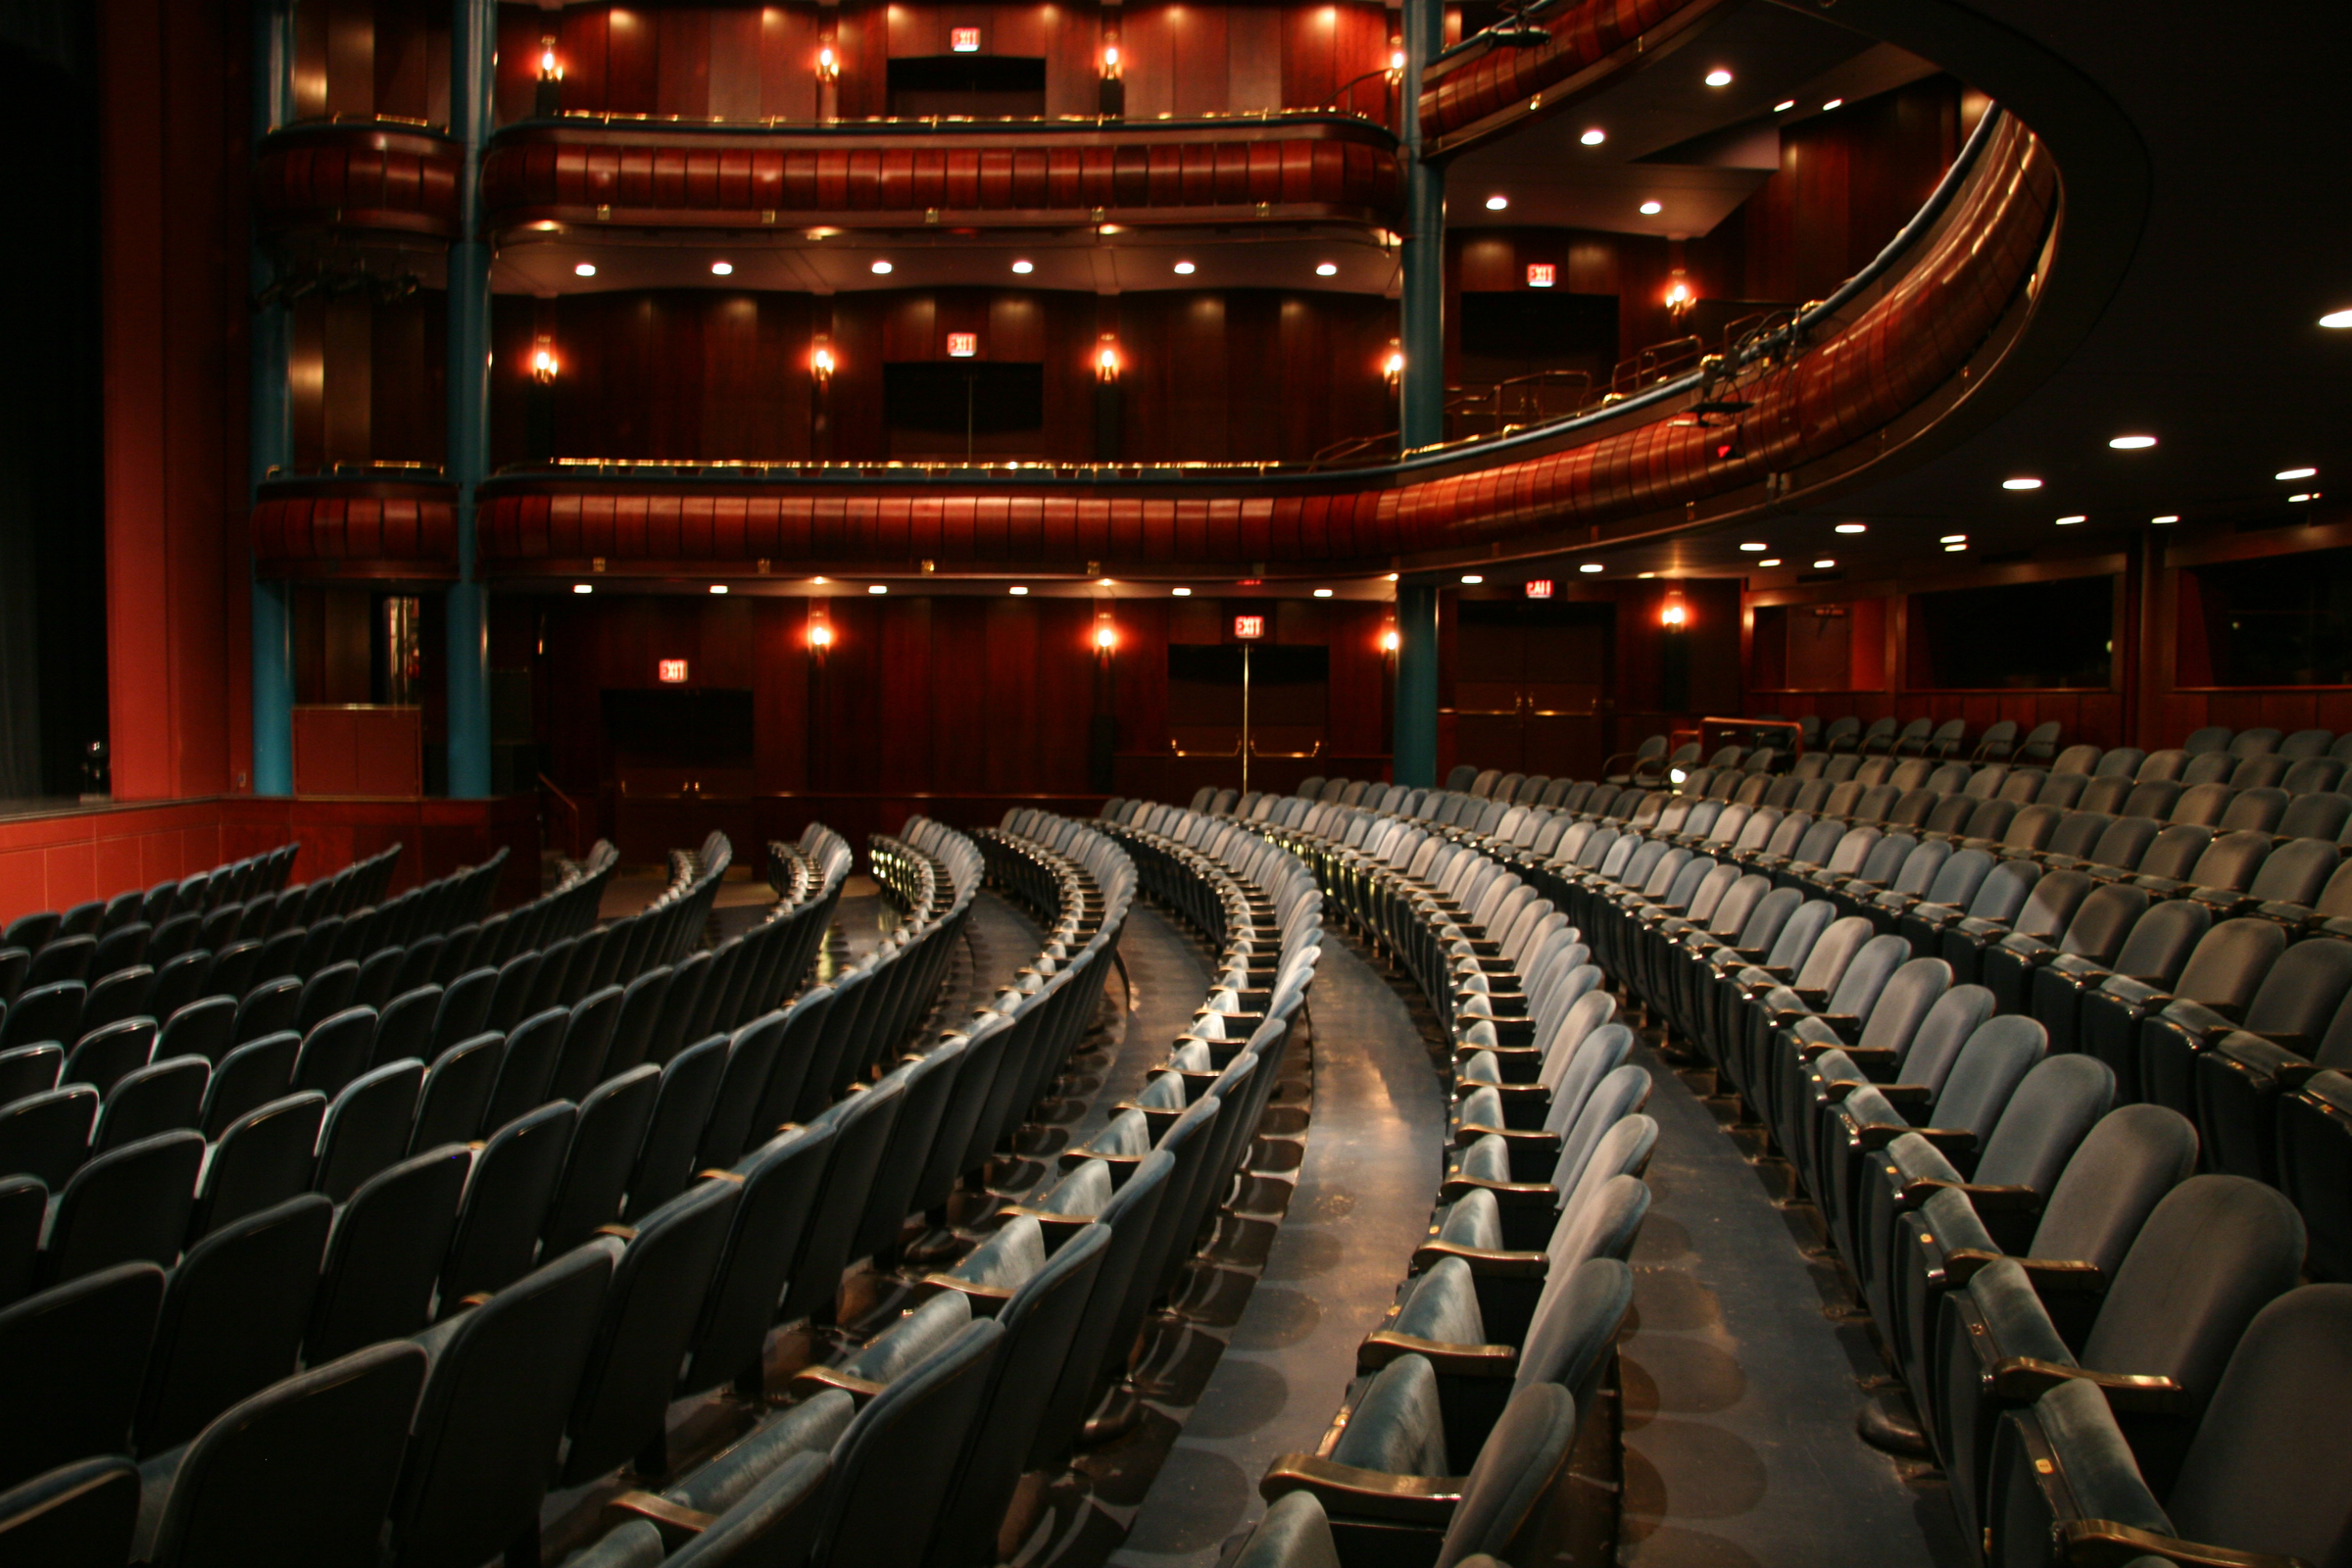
1673	616
544	364
1395	60
1106	360
820	634
551	69
820	363
1392	368
1106	635
1679	297
1110	61
1390	640
829	65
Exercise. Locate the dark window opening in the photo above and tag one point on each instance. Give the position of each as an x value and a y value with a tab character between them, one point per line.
964	407
2283	621
697	741
2019	636
982	86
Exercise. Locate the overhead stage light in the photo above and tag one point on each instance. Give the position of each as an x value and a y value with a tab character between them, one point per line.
1719	77
2132	443
2020	484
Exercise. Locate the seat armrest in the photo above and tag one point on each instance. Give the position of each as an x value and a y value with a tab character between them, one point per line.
1423	1501
1383	1345
1508	1194
1482	1260
2105	1543
1985	1200
2048	1274
816	1379
2023	1379
674	1520
1901	1095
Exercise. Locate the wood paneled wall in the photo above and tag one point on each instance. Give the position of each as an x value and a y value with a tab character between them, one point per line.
759	62
359	59
698	373
368	381
962	693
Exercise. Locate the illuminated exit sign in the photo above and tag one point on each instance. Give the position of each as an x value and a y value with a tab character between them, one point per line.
671	671
1539	588
1249	628
1543	275
964	40
962	345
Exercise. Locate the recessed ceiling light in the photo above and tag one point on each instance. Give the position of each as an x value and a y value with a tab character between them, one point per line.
2169	516
1593	137
1589	565
1853	527
2294	473
1953	539
722	269
1719	77
2338	320
1772	561
1024	267
1948	549
1181	593
1183	269
583	588
2020	484
1645	574
1326	268
1755	546
1832	104
877	588
881	269
1018	591
1784	106
1392	576
2132	443
1322	593
1103	582
1472	579
584	269
719	587
819	582
2068	523
1652	208
1823	565
1497	203
2312	494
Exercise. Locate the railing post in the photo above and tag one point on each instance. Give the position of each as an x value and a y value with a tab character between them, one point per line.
473	42
1421	393
270	436
1416	759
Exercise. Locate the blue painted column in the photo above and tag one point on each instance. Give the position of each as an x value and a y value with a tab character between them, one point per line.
1421	399
472	48
271	433
1416	761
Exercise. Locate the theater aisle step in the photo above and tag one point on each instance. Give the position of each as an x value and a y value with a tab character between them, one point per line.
1363	1204
1740	1392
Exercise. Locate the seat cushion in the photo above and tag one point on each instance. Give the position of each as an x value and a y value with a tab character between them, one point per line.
1398	1426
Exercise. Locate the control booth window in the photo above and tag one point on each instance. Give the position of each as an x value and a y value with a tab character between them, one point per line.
980	86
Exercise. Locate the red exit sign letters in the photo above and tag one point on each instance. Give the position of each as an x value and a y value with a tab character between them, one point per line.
1249	628
670	672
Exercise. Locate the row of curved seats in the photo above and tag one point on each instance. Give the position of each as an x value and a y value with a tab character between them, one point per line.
905	1445
230	883
1903	1105
1480	1420
2012	1233
580	1354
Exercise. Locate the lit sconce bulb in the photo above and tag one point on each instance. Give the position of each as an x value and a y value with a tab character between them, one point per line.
1396	60
820	365
1673	615
821	635
1390	641
1106	362
828	64
1392	370
1106	636
1110	62
544	364
551	69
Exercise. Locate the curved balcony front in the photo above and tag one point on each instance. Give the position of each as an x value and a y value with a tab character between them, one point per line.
370	176
1479	88
1841	388
648	173
365	526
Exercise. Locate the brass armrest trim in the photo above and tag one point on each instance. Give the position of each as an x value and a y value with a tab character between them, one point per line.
1383	1345
658	1508
1485	1260
1344	1489
809	1378
2026	1377
1962	1264
2105	1543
